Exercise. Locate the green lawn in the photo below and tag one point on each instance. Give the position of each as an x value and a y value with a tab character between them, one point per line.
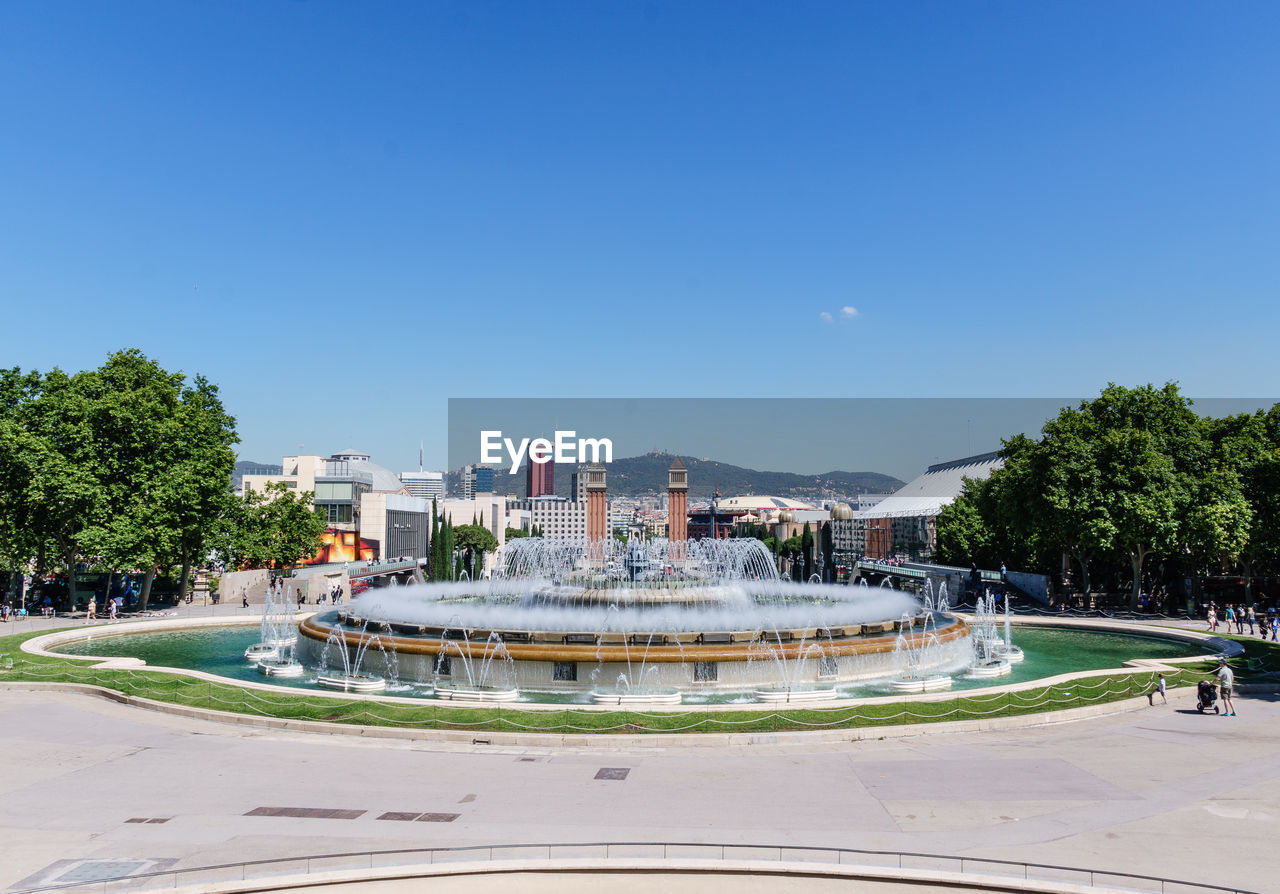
1260	657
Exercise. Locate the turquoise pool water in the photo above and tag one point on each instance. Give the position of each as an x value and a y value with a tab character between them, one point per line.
220	650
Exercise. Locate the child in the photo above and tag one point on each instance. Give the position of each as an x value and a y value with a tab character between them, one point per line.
1160	688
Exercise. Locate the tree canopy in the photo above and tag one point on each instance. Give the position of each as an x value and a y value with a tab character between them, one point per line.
1131	474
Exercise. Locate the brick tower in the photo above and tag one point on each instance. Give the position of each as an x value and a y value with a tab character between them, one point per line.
597	504
677	501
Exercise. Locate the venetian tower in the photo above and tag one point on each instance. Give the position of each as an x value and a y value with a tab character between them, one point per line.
597	505
677	502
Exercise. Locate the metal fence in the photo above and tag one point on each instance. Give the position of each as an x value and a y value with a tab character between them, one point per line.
764	856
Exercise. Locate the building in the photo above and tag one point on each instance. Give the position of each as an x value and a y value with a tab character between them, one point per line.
539	479
369	512
476	479
556	517
904	521
427	485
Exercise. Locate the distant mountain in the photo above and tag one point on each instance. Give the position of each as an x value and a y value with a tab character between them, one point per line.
248	467
638	476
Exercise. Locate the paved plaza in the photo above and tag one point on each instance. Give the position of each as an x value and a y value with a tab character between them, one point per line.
1160	790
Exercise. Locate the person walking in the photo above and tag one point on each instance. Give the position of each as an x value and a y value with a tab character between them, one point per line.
91	610
1251	617
244	598
1160	689
1229	617
1226	679
1213	618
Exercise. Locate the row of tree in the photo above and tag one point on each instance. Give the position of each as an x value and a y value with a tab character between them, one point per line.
1134	474
129	466
457	548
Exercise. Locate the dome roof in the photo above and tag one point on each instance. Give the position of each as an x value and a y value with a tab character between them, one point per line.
841	511
786	516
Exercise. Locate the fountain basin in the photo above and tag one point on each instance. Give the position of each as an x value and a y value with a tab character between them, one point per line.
476	693
351	682
934	683
998	668
1009	653
795	694
280	667
262	651
638	697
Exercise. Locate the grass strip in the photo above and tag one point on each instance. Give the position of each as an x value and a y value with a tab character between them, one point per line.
197	693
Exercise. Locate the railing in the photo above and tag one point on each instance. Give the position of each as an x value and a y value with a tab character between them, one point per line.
366	861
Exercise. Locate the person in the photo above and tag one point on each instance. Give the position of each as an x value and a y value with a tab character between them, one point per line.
1239	620
1213	618
111	611
1160	688
91	610
339	594
1275	627
244	598
1225	680
1229	617
1251	617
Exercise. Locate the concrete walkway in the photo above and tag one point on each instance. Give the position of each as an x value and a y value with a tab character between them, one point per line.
1162	791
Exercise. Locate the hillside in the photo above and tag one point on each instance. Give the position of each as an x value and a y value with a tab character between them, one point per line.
638	476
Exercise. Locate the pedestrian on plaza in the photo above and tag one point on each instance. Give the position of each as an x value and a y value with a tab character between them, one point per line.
1213	618
91	610
244	598
111	611
1252	616
1225	680
1275	628
1240	620
1160	688
1230	617
339	594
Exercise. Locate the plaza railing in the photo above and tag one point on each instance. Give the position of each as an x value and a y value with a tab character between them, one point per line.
564	855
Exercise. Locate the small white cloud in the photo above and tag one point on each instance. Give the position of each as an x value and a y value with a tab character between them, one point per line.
826	317
848	311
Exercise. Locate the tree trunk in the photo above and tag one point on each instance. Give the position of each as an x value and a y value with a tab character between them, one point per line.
1248	580
186	578
71	578
146	588
1082	559
1137	556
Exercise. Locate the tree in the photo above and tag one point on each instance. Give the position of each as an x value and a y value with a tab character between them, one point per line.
276	527
515	533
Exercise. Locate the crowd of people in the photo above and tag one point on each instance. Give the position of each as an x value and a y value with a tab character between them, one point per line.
1235	618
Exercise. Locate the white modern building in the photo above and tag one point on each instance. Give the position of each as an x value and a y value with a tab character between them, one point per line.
427	485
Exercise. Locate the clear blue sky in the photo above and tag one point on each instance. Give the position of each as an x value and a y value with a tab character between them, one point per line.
387	204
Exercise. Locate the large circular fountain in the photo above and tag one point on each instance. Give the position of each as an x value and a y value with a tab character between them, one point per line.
638	622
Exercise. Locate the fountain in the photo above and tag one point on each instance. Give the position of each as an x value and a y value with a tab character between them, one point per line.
986	663
636	622
352	679
794	665
631	686
279	630
915	655
478	670
1006	649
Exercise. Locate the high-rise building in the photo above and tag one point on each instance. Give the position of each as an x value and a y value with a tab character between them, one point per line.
427	485
476	480
539	479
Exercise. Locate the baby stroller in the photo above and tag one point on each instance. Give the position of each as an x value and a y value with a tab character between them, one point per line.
1206	696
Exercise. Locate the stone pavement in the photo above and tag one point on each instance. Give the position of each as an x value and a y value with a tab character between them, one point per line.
1162	791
